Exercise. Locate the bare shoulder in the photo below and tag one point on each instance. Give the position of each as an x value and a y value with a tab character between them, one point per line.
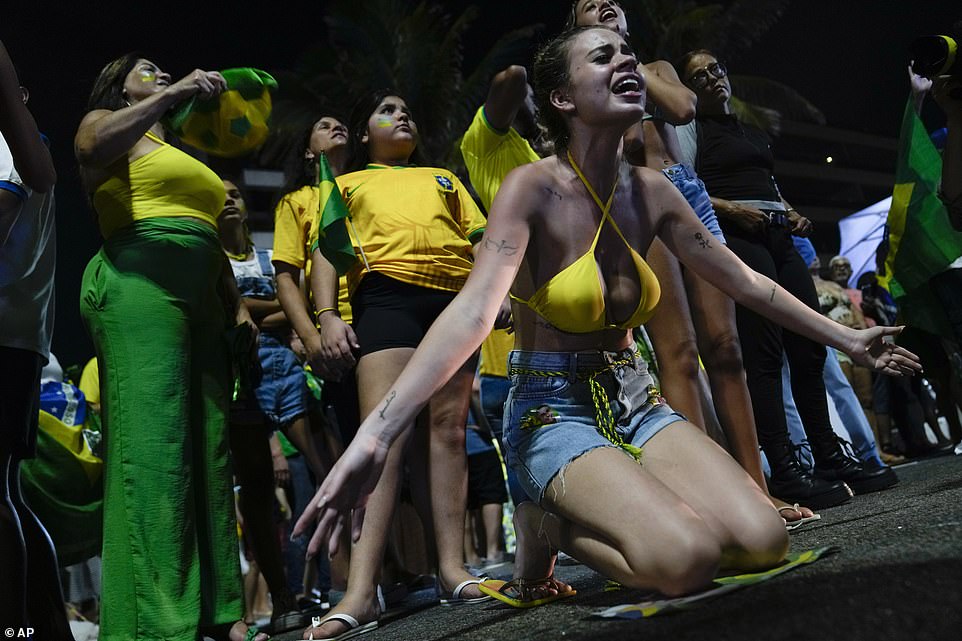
527	189
647	179
92	117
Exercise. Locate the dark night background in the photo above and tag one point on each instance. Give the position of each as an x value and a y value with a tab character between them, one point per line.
846	56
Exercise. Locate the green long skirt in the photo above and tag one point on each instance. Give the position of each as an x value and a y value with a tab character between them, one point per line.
170	556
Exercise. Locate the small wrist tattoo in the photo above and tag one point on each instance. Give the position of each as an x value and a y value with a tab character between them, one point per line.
704	242
387	402
772	297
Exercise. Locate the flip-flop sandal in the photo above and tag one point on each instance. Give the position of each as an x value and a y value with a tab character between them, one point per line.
522	590
354	628
455	597
792	525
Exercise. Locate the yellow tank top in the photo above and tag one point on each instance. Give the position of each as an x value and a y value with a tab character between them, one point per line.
573	300
164	182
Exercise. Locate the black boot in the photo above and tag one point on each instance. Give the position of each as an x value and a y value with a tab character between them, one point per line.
833	463
793	484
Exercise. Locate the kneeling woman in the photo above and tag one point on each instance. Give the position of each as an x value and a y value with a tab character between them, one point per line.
625	484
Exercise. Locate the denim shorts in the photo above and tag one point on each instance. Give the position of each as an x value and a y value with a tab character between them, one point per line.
693	189
281	392
550	417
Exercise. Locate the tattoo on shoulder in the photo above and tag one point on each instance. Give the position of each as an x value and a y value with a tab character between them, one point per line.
501	247
554	193
387	402
704	242
772	297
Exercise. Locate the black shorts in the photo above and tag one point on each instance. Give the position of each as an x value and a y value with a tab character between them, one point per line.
389	313
485	480
19	401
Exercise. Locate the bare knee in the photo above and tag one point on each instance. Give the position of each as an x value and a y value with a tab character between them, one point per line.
681	359
724	354
762	542
688	564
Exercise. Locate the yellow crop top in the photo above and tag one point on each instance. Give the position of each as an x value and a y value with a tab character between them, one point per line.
573	300
161	183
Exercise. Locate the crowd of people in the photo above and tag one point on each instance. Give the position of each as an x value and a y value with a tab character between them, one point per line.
610	202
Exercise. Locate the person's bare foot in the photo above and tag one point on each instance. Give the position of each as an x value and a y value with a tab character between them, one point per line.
534	558
792	513
362	608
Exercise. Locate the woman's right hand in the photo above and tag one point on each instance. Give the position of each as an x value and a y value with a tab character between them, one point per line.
747	217
198	82
338	342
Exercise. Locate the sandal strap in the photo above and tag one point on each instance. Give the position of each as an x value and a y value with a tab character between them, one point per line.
456	592
525	587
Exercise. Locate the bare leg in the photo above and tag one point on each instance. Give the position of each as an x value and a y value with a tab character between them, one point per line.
448	477
713	313
376	372
299	434
673	336
491	515
668	524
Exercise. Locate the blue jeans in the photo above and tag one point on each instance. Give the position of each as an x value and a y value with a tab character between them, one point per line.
847	406
550	415
494	392
281	392
693	189
300	493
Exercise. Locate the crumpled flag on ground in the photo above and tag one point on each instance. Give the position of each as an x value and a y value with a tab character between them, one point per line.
724	585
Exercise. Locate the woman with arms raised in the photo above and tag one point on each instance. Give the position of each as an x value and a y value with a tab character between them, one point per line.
580	418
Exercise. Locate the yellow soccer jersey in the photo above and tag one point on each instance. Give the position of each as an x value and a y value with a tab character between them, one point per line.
414	224
294	219
490	155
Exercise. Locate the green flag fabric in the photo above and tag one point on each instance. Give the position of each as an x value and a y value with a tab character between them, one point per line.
330	233
922	243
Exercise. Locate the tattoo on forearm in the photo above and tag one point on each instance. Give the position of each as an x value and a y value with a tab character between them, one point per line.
502	247
387	402
553	193
772	297
704	242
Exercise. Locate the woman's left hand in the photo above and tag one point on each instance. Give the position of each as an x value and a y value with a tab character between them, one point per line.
872	350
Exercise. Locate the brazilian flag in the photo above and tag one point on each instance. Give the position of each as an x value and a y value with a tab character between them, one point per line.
330	234
234	123
922	242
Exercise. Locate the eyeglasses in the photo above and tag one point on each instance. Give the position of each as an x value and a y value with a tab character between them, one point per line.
700	78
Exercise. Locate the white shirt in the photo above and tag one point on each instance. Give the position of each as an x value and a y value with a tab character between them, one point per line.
27	262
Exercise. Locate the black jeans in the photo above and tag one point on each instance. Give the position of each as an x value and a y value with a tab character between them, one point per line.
772	253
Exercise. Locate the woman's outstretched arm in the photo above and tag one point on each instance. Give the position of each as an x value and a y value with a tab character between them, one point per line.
694	245
453	337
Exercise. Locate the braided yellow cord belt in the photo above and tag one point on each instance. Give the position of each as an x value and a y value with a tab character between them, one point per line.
599	397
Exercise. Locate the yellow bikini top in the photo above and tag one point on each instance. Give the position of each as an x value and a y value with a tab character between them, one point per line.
161	183
573	300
